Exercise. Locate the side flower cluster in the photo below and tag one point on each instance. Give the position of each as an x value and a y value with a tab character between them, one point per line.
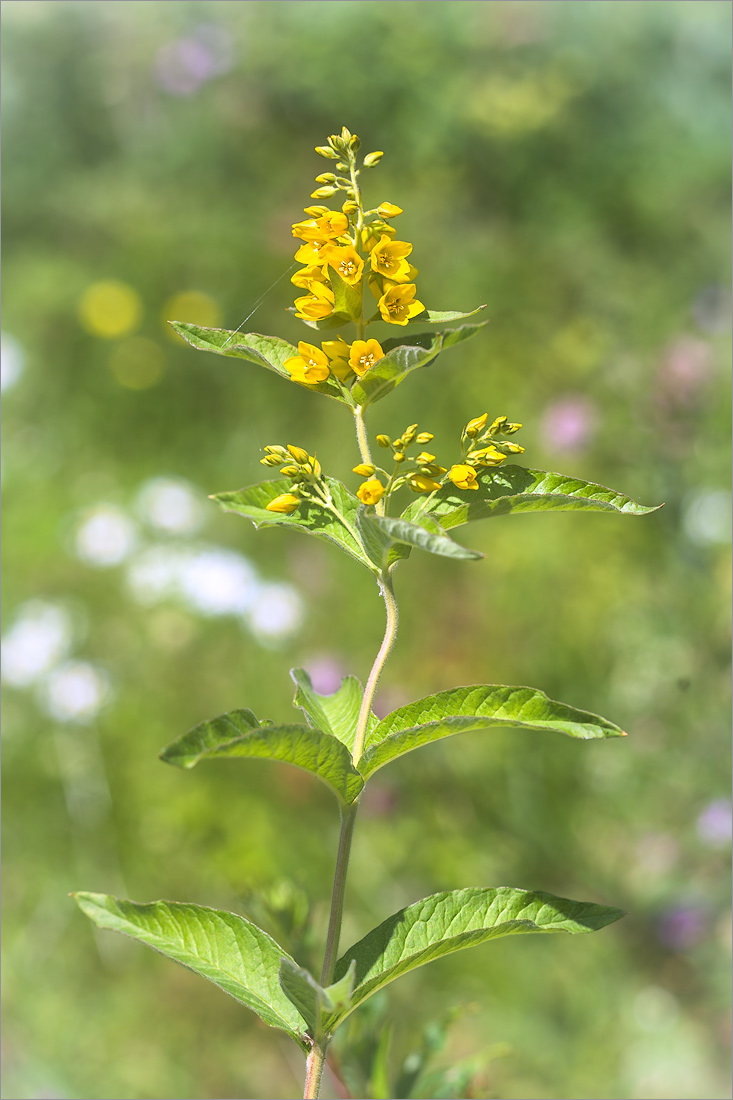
341	251
481	447
305	474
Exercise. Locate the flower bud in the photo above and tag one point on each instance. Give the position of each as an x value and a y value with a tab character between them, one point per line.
369	492
423	437
290	471
270	460
324	151
364	469
399	456
476	425
276	450
388	210
326	177
425	457
373	158
354	143
316	211
337	144
384	441
342	167
409	434
323	192
285	504
350	207
510	429
298	453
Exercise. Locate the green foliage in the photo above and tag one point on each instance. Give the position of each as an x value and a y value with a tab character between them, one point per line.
223	947
453	920
336	525
433	541
335	714
516	489
464	709
239	734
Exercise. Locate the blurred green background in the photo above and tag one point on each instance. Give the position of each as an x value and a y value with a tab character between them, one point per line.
566	163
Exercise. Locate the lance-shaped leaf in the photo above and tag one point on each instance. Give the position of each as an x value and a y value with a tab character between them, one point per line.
463	709
336	523
403	355
414	534
336	714
436	317
448	922
266	351
239	734
509	489
347	298
225	948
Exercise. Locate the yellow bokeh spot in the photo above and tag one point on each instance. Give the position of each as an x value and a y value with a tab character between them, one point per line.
193	306
137	363
110	309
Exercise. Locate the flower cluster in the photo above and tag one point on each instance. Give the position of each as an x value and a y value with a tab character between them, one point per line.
481	447
341	251
305	473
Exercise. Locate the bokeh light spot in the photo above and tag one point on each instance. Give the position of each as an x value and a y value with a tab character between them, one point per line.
193	306
137	363
110	309
171	506
74	692
39	637
105	537
12	361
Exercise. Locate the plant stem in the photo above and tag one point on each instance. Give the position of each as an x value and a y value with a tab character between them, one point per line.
313	1072
348	819
361	436
390	633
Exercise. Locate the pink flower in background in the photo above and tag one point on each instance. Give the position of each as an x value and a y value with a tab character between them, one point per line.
184	64
569	424
326	674
684	371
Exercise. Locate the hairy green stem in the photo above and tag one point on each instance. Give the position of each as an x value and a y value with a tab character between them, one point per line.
390	633
361	435
348	819
313	1072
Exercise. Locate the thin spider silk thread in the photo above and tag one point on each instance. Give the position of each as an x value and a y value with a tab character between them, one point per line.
259	302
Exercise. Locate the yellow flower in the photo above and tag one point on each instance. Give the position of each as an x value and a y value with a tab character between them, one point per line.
307	276
388	210
421	483
364	354
388	258
476	425
286	503
488	456
370	491
338	354
463	477
315	305
398	305
424	457
325	228
310	365
310	253
298	453
371	234
346	260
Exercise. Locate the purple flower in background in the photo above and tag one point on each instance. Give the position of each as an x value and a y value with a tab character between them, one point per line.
683	927
715	824
326	674
568	424
184	64
684	371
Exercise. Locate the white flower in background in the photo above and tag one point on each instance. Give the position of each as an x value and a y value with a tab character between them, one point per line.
171	506
153	573
218	582
276	613
39	637
12	361
105	537
707	516
74	692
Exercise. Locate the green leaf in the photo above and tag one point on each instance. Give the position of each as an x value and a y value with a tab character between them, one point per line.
347	299
334	320
415	534
303	991
335	714
225	948
448	922
463	709
239	734
375	540
318	1006
509	489
337	525
403	355
266	351
435	318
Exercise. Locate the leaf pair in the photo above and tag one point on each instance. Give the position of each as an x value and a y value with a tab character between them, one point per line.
249	965
323	747
404	354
